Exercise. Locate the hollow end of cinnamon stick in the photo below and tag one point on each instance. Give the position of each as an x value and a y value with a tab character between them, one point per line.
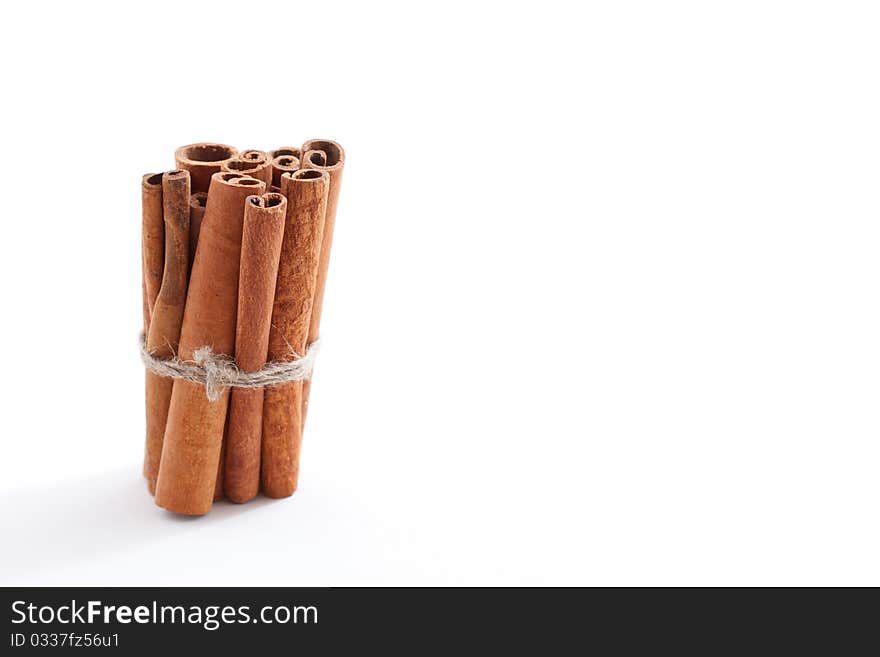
267	200
282	164
309	174
293	151
323	153
237	179
175	175
203	160
205	153
303	177
315	159
254	163
152	180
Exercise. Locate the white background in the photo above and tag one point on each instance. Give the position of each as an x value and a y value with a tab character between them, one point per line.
602	307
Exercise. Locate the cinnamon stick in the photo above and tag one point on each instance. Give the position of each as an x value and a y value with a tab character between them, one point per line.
197	203
264	218
203	161
316	158
256	164
286	150
281	164
194	431
152	241
167	313
323	155
307	193
152	261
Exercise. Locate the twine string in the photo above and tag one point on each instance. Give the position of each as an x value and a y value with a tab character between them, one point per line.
218	372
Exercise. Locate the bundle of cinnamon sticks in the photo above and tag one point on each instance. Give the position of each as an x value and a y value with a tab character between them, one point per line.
236	247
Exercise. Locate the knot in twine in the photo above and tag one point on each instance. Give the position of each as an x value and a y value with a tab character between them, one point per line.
217	372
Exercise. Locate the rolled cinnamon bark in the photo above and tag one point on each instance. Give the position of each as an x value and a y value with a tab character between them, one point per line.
286	150
167	314
264	218
203	161
152	241
323	155
307	193
152	262
194	431
256	164
315	158
282	164
197	203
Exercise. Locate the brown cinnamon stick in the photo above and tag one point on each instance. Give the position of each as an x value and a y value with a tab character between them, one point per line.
203	161
167	313
307	193
194	431
264	218
197	203
253	163
152	261
152	241
323	155
282	164
316	158
286	150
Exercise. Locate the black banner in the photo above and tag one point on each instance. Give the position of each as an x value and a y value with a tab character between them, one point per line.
413	621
